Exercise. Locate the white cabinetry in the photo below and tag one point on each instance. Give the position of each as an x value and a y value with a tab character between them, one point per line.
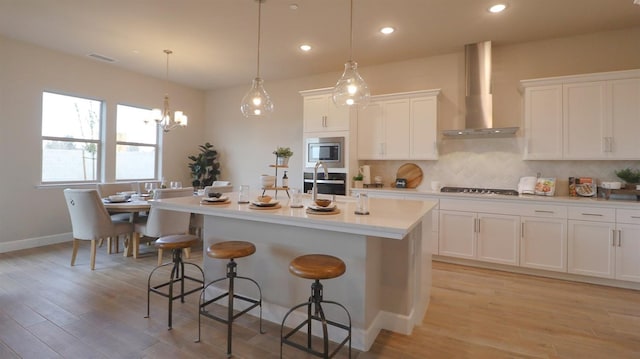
399	126
320	114
491	237
592	241
543	241
628	245
585	117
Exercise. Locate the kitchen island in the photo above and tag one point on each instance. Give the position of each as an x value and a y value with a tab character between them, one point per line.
388	277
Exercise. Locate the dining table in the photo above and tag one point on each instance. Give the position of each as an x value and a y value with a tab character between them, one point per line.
133	206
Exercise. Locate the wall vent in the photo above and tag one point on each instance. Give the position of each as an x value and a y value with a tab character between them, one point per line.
101	57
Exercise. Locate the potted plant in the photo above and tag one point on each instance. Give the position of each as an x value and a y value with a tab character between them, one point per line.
631	177
357	180
282	155
204	166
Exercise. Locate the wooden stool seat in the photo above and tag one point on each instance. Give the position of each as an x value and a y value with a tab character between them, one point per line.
317	266
176	241
231	249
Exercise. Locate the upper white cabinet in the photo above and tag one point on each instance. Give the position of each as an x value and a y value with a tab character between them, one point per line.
320	114
586	117
399	126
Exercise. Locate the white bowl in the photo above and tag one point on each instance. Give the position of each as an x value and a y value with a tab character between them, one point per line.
267	181
611	185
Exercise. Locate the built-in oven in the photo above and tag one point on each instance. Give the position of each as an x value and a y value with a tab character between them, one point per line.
334	183
328	150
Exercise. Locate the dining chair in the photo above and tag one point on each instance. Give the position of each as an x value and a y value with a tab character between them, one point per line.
91	221
162	222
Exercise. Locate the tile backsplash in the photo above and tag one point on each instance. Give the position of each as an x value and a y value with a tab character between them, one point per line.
495	163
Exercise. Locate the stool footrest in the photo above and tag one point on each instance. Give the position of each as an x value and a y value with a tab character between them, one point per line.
225	320
156	289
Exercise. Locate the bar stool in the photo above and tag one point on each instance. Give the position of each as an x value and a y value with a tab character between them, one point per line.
176	243
316	267
230	250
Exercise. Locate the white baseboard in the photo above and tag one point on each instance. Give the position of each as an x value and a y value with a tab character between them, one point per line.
35	242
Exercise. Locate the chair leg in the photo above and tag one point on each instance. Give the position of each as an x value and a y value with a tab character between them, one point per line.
93	254
74	253
187	253
109	245
136	244
159	256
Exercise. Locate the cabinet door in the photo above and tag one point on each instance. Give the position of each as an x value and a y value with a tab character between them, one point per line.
591	249
584	120
370	132
457	234
543	123
498	238
314	113
624	124
543	243
396	120
628	252
337	116
424	128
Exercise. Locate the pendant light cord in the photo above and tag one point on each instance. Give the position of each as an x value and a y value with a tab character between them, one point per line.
259	18
351	32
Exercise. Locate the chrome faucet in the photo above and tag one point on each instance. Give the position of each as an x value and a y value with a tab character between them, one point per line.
315	178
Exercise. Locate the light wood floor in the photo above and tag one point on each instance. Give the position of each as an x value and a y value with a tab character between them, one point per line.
51	310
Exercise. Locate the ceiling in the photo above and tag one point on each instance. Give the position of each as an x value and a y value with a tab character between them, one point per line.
215	41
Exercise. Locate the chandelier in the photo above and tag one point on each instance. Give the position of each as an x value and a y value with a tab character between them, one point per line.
163	116
257	103
351	89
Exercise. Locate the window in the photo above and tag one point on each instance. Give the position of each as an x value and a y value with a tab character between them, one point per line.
136	144
71	148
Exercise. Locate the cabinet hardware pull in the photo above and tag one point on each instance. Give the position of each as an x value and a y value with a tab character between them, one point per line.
619	237
592	214
522	230
635	217
478	225
475	225
613	238
541	211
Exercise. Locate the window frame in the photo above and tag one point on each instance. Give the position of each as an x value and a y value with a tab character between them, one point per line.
157	146
99	141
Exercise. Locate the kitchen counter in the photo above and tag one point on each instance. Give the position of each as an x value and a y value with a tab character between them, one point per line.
388	277
581	201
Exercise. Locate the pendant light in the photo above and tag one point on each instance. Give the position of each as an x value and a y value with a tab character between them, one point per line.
163	116
351	89
256	103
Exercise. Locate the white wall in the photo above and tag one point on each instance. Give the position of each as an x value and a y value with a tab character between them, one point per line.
32	215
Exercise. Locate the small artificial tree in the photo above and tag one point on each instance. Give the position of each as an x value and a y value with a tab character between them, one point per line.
205	167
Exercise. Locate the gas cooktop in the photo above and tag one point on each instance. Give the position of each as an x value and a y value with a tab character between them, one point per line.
472	190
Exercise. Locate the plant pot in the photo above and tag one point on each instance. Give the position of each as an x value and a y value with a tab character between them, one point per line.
282	161
357	184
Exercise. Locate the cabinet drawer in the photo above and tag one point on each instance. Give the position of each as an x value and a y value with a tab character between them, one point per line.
595	214
628	216
545	211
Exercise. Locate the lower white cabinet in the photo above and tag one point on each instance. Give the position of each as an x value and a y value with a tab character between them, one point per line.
591	248
543	243
482	236
603	248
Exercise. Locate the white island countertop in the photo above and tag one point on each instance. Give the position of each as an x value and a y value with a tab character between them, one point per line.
388	218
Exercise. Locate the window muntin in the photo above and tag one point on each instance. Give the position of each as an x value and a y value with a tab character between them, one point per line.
71	148
136	144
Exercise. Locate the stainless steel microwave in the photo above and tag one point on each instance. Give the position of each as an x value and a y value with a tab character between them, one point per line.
328	150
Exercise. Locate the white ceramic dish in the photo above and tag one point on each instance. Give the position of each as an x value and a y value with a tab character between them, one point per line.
115	198
265	204
328	208
214	199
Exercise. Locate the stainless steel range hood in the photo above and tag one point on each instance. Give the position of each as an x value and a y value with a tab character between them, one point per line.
478	97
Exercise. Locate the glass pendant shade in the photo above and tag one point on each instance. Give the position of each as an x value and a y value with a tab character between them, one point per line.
351	89
256	103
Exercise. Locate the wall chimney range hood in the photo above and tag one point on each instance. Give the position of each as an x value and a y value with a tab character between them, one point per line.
478	98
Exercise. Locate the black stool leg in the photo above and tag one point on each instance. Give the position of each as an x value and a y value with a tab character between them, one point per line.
231	274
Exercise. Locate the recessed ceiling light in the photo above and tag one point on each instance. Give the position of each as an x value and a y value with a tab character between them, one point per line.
387	30
497	8
293	6
305	47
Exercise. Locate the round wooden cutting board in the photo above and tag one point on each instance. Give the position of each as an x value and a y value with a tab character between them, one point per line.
412	173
